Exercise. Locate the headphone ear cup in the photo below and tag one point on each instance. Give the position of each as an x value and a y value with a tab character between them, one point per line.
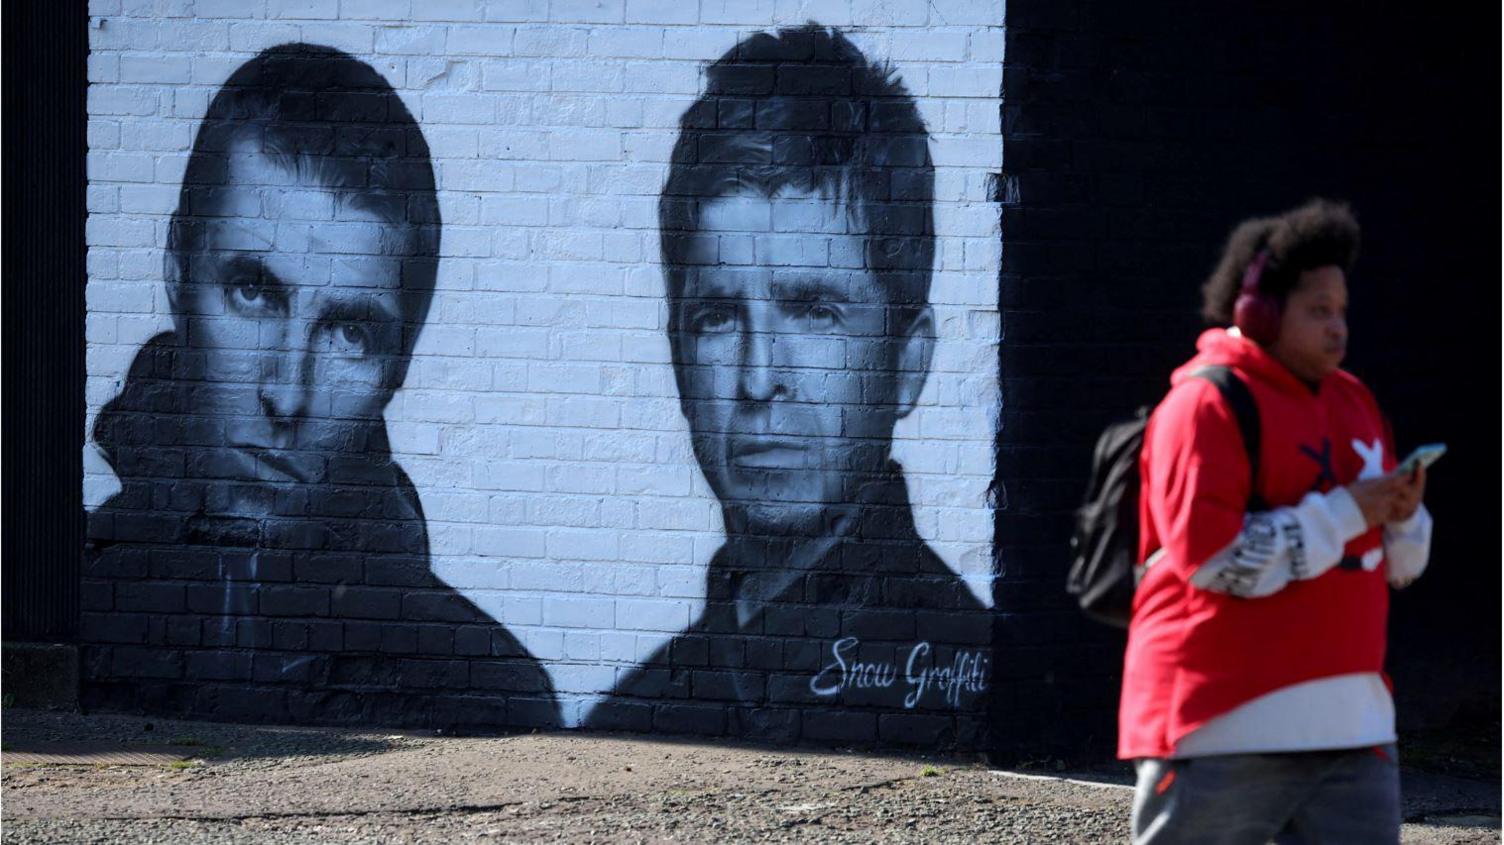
1257	317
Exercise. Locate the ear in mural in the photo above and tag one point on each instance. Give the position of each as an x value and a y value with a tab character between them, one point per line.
797	235
265	557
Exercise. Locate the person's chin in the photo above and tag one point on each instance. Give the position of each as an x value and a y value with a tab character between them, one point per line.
246	500
778	502
1325	368
783	519
261	488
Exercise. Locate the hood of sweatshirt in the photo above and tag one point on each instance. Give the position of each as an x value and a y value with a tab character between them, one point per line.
1229	348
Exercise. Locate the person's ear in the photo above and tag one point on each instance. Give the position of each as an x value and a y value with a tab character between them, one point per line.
679	343
396	374
913	360
172	274
174	269
680	354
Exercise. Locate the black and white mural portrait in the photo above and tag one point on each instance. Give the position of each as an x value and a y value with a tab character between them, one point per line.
630	370
798	238
260	504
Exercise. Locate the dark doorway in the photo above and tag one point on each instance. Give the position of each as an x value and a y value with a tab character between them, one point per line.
46	47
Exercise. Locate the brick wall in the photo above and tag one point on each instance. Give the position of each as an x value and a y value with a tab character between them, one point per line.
1135	138
539	420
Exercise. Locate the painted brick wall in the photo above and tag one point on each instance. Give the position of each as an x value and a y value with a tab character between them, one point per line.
539	421
1135	139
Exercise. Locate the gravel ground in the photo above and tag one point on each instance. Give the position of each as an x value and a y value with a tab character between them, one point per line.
285	785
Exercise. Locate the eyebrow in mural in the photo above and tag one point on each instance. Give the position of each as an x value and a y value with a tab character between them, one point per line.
797	231
266	558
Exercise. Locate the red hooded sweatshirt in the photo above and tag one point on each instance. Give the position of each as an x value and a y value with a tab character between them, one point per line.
1195	653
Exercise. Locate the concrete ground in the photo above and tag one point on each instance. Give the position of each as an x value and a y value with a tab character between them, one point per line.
203	782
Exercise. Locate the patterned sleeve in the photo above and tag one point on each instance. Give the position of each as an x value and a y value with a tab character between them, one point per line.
1282	545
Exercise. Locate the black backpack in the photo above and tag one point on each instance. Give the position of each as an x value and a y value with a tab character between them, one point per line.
1104	546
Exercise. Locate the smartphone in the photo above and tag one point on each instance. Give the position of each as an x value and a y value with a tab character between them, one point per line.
1422	456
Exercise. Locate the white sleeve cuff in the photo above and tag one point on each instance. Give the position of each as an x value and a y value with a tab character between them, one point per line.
1407	547
1346	513
1409	527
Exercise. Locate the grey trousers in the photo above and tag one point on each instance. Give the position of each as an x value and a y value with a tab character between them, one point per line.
1323	797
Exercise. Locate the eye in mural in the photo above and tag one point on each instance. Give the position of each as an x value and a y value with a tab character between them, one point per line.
266	557
798	239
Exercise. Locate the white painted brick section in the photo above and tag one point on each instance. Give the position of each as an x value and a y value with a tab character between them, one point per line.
540	420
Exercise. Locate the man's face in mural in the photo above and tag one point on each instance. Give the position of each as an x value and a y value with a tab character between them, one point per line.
292	300
790	376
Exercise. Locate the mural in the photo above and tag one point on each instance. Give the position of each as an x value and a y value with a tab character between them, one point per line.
797	236
259	500
508	374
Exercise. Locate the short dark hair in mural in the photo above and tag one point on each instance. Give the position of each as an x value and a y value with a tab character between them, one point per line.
266	557
797	234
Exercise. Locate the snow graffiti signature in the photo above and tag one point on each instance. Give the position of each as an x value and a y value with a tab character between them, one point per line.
965	672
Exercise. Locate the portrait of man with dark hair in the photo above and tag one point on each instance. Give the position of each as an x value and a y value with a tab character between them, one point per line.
266	557
798	238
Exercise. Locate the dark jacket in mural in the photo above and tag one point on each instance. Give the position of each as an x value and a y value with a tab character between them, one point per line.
877	631
315	605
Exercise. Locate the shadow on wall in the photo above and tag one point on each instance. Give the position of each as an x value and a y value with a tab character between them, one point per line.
266	559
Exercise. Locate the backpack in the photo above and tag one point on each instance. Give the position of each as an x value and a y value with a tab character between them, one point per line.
1104	545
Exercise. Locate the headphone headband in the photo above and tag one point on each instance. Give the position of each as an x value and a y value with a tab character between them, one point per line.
1255	271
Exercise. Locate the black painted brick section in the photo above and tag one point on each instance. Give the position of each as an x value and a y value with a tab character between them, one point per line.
278	600
843	726
1134	138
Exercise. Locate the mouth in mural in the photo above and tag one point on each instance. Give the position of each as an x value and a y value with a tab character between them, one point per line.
769	452
260	464
283	466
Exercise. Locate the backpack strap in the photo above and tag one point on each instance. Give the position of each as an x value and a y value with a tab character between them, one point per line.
1240	399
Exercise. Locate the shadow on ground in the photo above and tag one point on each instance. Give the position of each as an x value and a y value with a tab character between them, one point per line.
52	731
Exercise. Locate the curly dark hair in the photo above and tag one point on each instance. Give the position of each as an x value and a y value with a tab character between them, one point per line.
1319	233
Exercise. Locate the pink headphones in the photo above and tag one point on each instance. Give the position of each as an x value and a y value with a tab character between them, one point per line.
1256	314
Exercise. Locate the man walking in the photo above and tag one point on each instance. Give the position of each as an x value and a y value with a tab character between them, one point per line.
1254	701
